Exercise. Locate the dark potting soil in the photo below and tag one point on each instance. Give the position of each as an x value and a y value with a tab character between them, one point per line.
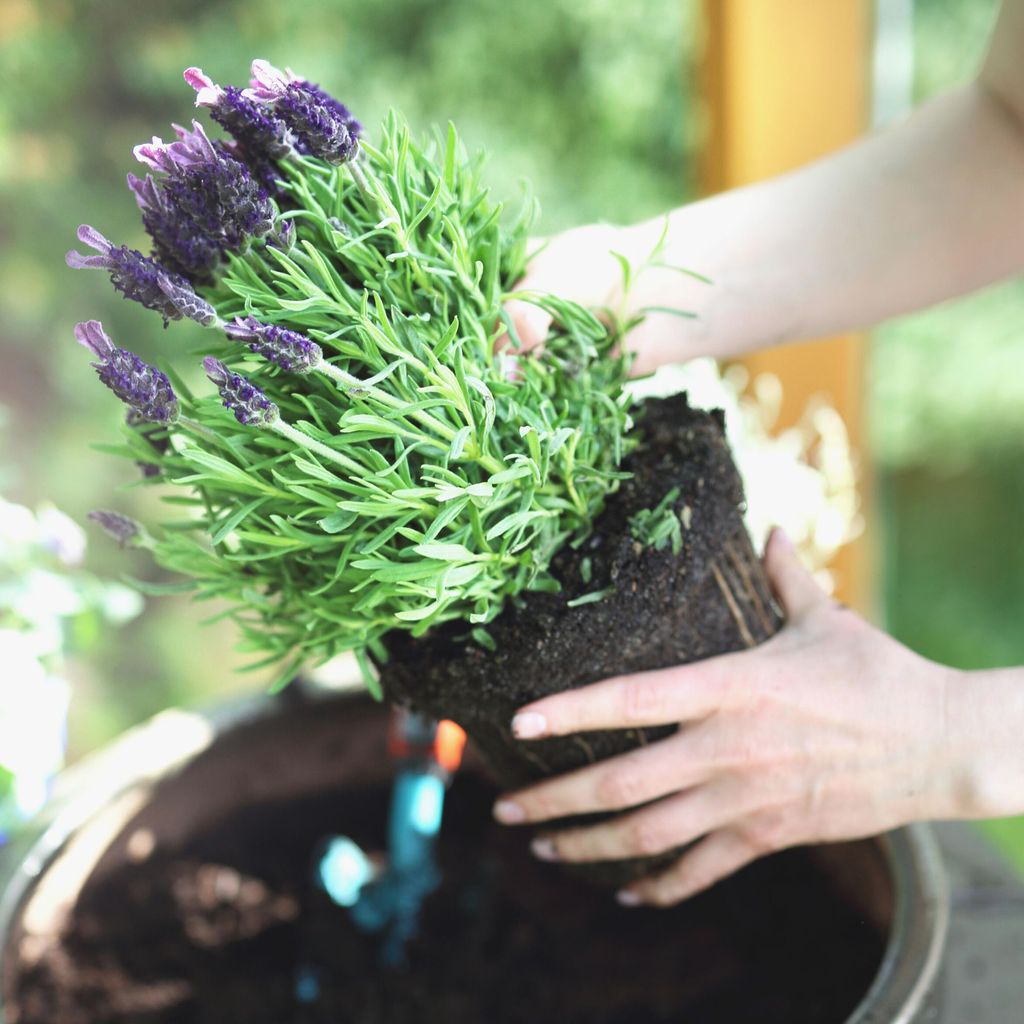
219	932
659	608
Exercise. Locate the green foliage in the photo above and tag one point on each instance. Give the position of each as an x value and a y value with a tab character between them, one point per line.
415	477
660	526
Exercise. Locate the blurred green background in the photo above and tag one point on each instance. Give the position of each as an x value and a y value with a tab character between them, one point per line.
594	103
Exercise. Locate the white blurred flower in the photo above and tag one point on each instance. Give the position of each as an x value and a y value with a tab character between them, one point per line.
20	657
119	603
45	595
60	534
18	530
37	599
33	715
802	479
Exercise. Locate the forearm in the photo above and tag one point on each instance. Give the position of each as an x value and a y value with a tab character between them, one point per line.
985	727
901	220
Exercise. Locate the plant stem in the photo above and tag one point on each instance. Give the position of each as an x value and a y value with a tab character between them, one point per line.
361	183
202	431
287	430
354	383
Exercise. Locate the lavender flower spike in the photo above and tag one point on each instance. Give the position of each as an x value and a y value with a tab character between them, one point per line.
135	276
260	134
183	297
251	407
122	528
205	204
208	93
269	83
140	386
323	126
193	149
145	192
293	352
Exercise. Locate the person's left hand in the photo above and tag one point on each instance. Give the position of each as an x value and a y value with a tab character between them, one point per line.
831	730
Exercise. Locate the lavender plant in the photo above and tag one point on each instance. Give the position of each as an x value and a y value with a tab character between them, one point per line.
364	461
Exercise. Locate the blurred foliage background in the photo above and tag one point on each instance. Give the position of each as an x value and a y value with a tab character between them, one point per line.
594	103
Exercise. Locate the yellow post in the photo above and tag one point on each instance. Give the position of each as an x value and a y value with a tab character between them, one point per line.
787	81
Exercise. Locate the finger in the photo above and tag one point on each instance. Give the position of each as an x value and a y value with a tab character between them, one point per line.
793	584
714	858
531	324
625	781
668	695
669	823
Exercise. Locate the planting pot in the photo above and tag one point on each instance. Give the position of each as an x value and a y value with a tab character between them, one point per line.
169	881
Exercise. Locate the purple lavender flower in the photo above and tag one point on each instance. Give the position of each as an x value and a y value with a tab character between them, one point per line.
193	149
140	386
122	528
260	137
205	204
183	297
283	236
293	352
323	126
251	407
177	240
135	276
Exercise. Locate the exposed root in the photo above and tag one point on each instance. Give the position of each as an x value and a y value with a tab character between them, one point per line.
587	749
750	588
734	608
533	757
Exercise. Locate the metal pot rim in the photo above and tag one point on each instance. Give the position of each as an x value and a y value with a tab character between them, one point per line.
920	925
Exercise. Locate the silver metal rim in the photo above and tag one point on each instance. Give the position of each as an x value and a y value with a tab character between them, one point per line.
920	924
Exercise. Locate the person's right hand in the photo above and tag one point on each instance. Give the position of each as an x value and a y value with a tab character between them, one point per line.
830	730
577	265
580	265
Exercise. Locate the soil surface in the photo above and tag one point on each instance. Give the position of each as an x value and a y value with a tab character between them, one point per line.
661	608
222	930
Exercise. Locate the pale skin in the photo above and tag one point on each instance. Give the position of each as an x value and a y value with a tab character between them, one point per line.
831	730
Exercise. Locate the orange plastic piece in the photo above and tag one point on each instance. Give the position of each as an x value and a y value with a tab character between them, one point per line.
449	744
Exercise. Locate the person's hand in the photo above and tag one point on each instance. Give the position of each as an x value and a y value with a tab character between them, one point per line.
581	265
830	730
577	265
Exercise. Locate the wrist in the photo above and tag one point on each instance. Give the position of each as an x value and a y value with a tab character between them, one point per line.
985	713
673	288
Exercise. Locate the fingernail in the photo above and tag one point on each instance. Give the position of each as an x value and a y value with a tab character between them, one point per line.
509	813
782	538
544	849
529	725
627	898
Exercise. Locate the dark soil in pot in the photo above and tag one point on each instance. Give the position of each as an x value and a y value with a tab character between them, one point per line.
658	608
210	918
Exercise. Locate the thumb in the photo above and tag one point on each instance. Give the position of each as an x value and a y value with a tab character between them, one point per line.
792	583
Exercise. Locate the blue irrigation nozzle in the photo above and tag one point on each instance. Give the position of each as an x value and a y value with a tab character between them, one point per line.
387	900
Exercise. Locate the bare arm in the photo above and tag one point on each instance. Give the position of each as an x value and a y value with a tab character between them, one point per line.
927	210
